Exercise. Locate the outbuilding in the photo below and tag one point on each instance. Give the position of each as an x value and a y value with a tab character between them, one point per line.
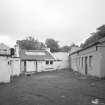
5	69
36	61
90	60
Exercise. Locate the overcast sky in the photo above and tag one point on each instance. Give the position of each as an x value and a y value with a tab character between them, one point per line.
67	21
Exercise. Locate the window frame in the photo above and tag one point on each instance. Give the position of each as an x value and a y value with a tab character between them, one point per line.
51	62
47	62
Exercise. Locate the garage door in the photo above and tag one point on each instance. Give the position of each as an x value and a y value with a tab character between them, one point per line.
30	66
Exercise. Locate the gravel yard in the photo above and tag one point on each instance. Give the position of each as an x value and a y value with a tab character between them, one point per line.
52	88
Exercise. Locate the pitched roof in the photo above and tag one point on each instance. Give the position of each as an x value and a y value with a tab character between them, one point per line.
3	46
93	44
4	50
102	40
35	55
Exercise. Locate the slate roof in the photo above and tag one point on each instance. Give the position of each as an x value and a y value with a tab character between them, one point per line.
39	56
3	47
4	50
102	40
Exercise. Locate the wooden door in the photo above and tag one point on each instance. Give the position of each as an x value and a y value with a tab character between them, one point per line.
30	66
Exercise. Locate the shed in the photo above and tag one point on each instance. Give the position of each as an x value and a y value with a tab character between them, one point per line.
5	69
90	60
36	60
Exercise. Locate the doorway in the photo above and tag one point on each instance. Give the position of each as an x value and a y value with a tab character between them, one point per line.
24	66
86	67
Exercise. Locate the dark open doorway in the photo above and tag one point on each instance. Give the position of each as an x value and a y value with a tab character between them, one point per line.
24	66
86	67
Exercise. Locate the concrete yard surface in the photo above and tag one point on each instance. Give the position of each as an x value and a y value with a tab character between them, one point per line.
52	88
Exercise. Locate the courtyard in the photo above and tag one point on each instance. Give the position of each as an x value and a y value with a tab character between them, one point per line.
52	88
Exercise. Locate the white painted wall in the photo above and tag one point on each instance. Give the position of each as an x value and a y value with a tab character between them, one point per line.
15	66
73	62
63	60
95	69
42	66
30	66
5	70
102	51
21	66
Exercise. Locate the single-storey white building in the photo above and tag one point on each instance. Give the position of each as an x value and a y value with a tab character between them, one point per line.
9	64
5	69
90	60
36	60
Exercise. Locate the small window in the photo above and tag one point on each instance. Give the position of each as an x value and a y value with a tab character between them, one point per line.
51	62
47	62
90	61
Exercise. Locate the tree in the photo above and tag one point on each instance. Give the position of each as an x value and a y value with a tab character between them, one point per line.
95	36
81	45
52	44
101	31
30	44
65	48
72	45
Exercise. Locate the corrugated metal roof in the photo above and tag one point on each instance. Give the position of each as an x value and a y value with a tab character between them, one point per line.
35	55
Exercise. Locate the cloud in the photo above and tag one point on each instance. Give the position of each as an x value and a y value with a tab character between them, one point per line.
64	20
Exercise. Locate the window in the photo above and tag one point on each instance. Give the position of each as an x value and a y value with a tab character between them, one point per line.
47	62
90	61
51	62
